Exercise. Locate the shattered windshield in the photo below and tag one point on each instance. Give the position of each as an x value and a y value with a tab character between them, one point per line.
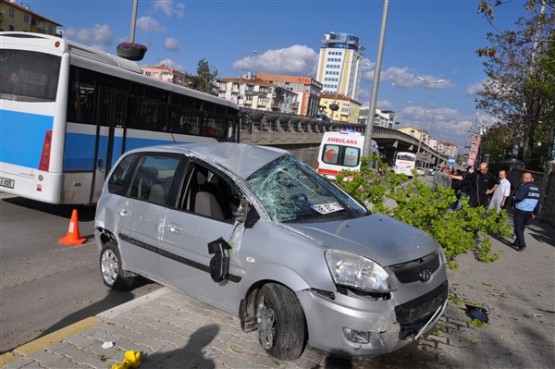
292	192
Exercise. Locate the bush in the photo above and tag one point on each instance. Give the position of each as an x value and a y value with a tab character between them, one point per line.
429	209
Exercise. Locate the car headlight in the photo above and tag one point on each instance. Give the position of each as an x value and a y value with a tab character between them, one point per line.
358	272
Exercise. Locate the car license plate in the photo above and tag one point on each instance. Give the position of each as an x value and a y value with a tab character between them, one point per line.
6	182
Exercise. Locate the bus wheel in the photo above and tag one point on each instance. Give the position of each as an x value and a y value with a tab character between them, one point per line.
111	270
280	322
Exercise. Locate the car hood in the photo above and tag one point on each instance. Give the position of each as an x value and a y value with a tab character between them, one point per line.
381	238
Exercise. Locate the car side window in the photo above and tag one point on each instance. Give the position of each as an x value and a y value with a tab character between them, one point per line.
153	178
116	183
208	194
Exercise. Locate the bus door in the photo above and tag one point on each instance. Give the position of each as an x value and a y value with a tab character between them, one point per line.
112	110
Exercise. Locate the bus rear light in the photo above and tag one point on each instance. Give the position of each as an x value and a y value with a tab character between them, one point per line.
45	155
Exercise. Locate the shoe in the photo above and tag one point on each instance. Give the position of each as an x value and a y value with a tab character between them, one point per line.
520	249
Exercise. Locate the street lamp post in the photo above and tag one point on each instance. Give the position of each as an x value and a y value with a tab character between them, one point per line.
133	21
376	84
434	113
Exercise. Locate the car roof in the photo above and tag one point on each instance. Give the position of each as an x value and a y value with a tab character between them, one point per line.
240	159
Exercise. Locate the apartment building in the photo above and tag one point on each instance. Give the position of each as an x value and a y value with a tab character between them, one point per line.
307	89
382	118
19	17
348	109
165	73
441	146
258	94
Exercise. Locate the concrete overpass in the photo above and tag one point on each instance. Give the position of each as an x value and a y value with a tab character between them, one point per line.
302	135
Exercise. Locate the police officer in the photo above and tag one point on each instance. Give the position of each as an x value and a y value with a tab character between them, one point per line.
527	205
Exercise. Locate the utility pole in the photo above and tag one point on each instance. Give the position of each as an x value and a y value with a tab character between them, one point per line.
133	21
377	70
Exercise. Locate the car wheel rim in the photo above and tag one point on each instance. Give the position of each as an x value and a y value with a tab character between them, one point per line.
109	266
265	324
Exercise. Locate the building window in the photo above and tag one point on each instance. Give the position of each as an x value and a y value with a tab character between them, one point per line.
26	18
11	13
11	28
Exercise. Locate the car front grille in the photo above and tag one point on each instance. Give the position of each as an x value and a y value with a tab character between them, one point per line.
417	270
413	315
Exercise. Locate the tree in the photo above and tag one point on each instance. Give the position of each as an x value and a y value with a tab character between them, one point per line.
519	89
205	79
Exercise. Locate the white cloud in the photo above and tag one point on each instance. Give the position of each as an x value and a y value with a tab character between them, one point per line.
297	59
172	44
475	88
99	36
403	77
172	63
149	24
168	8
385	105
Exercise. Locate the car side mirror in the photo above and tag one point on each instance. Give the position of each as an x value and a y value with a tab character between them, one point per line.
219	264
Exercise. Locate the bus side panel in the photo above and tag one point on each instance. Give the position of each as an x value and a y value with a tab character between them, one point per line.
79	147
77	188
32	127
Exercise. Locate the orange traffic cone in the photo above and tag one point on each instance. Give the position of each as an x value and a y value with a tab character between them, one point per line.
72	237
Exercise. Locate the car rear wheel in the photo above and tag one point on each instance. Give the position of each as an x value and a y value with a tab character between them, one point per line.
111	270
280	322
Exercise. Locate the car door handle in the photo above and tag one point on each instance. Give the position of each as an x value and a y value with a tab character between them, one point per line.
174	228
124	213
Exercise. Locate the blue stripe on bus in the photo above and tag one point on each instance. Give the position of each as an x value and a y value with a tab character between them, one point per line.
79	152
22	137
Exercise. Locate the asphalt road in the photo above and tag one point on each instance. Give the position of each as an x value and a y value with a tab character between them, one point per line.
44	285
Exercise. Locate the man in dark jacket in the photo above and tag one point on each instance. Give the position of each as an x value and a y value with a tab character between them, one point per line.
527	204
481	183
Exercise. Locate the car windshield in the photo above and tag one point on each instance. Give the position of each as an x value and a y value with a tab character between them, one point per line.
291	191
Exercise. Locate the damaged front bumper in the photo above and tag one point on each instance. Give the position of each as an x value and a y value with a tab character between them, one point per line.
354	327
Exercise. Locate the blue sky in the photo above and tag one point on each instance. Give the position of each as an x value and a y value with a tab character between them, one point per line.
426	42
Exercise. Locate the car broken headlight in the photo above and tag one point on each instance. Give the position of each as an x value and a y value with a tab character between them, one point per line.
358	272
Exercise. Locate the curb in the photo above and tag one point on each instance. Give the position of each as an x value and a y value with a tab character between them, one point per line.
75	328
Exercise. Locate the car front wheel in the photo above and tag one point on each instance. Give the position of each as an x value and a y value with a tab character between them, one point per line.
111	270
281	323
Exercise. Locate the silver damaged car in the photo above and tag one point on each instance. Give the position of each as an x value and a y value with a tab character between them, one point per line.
257	233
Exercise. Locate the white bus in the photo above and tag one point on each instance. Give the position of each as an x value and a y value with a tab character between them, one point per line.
341	150
405	163
68	111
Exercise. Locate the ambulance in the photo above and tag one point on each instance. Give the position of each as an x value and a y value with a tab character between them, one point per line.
340	150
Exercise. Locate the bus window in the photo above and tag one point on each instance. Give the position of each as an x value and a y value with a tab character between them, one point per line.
82	96
28	76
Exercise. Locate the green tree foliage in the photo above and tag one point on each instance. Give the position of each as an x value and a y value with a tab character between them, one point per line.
428	208
205	79
519	89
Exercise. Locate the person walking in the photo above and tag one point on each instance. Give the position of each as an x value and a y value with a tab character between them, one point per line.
527	204
481	183
501	193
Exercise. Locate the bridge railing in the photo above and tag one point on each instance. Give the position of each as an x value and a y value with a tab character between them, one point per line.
256	121
264	121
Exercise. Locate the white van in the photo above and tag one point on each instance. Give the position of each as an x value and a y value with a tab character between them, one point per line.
339	151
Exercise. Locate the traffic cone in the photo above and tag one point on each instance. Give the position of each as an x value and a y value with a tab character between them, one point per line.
72	237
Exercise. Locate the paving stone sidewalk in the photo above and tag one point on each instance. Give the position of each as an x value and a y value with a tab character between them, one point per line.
175	331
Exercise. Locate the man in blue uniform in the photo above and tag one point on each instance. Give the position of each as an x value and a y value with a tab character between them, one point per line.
527	205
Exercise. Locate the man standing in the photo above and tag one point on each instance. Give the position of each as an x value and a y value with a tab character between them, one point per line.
527	205
481	184
501	193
